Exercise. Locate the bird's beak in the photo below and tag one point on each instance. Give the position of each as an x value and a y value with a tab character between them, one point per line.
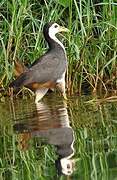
63	29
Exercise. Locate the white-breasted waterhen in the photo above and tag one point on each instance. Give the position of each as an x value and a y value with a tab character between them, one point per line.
48	71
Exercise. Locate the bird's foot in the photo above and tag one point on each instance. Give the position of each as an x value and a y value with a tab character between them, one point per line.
65	97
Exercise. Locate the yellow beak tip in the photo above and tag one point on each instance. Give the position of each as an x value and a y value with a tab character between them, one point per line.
63	29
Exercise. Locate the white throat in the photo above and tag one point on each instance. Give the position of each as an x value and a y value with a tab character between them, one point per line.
52	36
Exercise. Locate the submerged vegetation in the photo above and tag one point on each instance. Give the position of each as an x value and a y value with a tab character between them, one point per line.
91	44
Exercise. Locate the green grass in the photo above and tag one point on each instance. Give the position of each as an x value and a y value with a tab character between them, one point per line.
90	45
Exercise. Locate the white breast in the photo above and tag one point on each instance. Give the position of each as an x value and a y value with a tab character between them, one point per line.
62	79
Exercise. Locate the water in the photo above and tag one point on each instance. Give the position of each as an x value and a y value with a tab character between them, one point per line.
77	138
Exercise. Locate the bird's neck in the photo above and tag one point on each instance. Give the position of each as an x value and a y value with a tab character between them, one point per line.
53	42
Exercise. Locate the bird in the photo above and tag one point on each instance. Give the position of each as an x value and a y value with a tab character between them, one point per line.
48	71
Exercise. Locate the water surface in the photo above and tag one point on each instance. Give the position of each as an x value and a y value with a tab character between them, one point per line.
56	139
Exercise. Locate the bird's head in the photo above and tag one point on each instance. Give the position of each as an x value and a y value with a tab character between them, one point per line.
65	166
52	29
68	166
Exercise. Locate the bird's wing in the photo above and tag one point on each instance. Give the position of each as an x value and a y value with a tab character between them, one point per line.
40	72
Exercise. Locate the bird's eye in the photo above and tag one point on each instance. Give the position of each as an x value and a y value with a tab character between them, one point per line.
56	26
68	166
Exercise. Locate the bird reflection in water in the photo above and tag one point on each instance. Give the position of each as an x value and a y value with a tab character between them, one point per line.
51	122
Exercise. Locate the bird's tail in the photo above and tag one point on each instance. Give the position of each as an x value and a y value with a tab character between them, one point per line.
17	83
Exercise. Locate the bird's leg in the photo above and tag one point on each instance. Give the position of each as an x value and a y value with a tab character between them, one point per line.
61	87
64	96
40	93
10	93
